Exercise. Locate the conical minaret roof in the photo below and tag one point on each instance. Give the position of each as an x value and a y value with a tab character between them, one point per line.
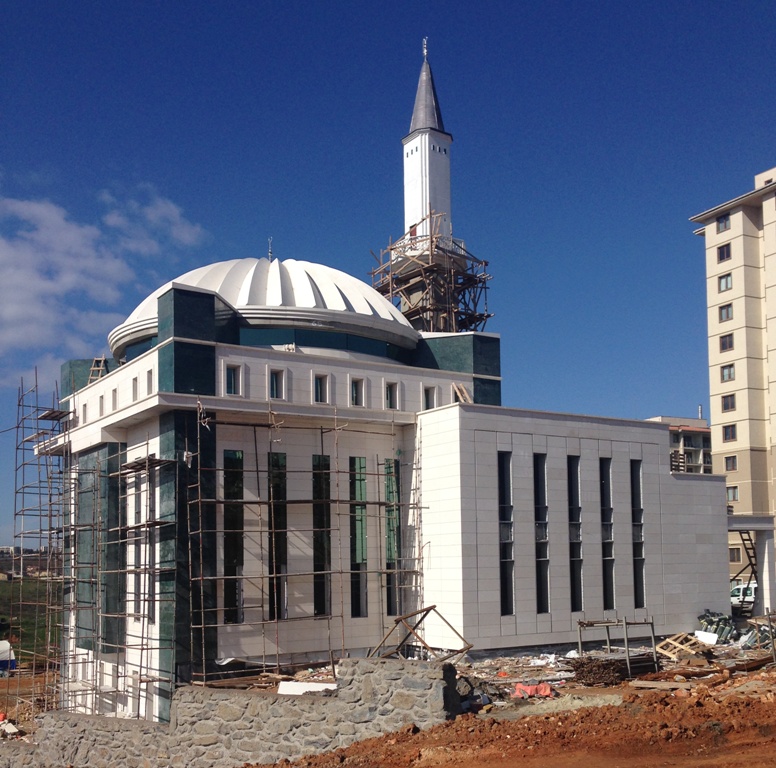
426	114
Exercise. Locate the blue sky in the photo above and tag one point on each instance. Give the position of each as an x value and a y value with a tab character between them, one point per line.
139	140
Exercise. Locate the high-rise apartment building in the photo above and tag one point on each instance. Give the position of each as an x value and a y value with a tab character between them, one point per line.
740	239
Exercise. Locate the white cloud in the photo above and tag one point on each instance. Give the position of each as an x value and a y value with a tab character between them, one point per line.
64	284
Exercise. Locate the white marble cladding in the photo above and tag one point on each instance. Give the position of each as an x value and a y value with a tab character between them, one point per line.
685	525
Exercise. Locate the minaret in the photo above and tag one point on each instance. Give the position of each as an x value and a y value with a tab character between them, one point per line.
427	162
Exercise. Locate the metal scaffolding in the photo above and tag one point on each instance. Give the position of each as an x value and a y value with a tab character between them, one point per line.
434	281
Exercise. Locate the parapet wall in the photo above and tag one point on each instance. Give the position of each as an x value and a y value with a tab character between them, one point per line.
220	728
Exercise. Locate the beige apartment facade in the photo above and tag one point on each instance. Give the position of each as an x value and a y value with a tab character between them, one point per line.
740	238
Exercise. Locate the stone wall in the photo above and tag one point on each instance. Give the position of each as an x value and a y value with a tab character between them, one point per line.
221	728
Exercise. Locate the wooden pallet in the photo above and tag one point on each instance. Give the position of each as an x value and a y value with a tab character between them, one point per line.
680	646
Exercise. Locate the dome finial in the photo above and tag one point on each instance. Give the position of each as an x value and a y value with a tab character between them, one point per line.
269	248
425	47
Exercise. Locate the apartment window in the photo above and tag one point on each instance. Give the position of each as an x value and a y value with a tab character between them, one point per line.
276	382
723	222
149	382
102	405
356	391
114	399
731	463
728	372
728	402
726	342
575	533
734	554
232	380
729	433
134	389
541	533
429	398
732	493
83	413
321	388
391	396
506	537
725	312
723	252
725	282
637	520
607	531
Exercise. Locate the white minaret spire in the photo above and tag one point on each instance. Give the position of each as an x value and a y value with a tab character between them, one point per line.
427	161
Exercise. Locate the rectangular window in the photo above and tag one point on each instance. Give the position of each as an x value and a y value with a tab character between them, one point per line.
506	536
321	388
723	252
392	537
277	549
134	389
541	533
321	535
356	391
149	382
729	433
726	342
734	554
276	385
731	463
732	493
114	399
83	413
232	380
575	533
358	538
637	520
725	312
725	282
723	222
102	405
728	402
607	531
429	398
234	556
728	372
391	396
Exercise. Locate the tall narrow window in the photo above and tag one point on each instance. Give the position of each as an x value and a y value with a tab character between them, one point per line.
276	385
321	388
391	396
232	380
321	535
277	549
607	531
575	533
637	518
356	391
358	560
392	537
429	398
134	389
506	534
233	537
541	533
149	382
102	405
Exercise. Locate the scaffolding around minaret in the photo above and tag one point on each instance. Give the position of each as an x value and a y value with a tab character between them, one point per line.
434	281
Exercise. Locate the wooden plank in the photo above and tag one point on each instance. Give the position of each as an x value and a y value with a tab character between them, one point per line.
661	685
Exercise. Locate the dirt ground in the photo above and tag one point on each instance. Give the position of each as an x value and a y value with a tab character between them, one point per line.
730	724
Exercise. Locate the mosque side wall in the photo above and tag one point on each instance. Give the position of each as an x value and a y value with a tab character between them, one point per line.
684	526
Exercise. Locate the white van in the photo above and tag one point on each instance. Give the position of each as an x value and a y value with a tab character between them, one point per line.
742	596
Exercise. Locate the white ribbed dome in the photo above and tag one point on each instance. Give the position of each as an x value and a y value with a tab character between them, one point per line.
280	294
